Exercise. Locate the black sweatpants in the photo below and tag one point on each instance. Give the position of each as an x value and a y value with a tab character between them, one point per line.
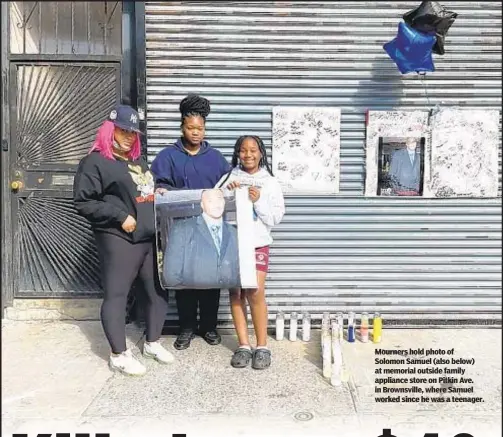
187	302
121	263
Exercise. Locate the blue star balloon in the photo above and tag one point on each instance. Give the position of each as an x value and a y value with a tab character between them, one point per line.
411	50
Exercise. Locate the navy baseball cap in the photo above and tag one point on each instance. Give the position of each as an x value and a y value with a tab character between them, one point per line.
125	117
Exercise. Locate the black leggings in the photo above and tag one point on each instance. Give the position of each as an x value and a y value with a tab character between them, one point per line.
121	263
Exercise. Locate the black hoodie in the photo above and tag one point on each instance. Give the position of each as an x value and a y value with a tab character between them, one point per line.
106	191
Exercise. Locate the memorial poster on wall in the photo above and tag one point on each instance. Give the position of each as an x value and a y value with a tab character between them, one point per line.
396	153
464	153
306	149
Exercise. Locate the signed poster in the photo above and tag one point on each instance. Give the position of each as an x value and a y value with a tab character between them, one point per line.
306	149
390	169
464	153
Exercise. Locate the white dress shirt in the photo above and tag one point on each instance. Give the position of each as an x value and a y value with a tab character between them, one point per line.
412	156
210	222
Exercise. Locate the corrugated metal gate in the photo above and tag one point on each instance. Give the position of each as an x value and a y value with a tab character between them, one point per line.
413	259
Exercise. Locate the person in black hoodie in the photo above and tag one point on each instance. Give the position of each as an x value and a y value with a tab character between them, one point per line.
191	163
114	190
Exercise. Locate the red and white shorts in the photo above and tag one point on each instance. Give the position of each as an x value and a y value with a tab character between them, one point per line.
262	259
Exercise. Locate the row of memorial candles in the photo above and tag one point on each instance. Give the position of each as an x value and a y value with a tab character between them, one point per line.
332	334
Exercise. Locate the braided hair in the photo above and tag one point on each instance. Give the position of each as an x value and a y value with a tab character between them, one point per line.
237	148
194	105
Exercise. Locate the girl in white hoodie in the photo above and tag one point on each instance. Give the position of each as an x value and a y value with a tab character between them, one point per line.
251	168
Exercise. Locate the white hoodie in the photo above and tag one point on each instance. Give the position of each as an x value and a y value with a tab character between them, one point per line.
269	208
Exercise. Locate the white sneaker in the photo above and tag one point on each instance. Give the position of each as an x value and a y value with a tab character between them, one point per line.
127	363
157	352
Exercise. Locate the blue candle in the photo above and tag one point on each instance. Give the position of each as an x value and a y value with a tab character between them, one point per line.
351	327
351	334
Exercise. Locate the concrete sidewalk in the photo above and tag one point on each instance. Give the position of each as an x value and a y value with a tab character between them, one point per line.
55	379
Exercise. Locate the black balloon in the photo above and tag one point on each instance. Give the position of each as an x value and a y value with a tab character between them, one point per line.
431	17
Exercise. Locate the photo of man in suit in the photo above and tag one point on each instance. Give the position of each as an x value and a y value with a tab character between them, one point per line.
202	251
405	170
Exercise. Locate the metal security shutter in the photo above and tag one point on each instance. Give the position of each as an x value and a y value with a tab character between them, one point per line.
413	260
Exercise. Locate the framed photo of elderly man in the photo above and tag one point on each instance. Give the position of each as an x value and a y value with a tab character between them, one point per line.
200	241
401	166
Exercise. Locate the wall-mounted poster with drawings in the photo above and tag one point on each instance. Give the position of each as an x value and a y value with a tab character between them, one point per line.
306	149
464	153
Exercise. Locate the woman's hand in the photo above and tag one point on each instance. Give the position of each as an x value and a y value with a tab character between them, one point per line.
254	193
129	224
233	185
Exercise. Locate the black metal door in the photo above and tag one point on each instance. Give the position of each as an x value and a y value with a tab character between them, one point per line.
56	110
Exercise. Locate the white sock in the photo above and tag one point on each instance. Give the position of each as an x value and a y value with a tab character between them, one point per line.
262	347
245	346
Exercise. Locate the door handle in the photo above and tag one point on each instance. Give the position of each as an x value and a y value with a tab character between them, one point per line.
16	185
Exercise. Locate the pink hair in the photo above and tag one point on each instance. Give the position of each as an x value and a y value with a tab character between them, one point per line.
105	139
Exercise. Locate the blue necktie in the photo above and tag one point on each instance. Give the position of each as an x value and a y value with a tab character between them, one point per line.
215	230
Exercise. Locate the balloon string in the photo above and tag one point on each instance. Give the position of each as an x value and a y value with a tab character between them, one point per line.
430	114
421	78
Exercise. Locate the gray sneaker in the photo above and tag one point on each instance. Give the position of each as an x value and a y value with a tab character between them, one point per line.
261	359
241	358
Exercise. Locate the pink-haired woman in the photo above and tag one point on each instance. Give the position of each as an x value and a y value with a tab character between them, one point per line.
114	190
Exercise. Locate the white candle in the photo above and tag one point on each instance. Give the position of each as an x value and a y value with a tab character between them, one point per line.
327	354
280	326
293	327
306	327
336	376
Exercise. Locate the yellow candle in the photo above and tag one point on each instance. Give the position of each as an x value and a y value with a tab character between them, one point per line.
377	328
